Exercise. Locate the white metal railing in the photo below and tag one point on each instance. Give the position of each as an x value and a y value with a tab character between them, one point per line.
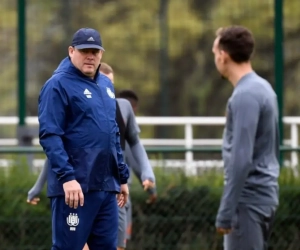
188	141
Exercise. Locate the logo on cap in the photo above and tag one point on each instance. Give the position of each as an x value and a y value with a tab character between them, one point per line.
91	39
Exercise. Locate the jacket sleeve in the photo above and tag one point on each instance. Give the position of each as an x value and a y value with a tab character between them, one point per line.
142	171
138	151
52	112
142	162
39	184
123	167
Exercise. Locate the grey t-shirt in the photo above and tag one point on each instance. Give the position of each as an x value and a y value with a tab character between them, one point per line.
134	154
250	147
128	116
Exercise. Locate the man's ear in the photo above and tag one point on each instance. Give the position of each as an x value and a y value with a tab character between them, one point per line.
224	57
71	50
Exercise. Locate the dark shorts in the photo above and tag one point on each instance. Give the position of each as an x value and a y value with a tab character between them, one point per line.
96	223
251	228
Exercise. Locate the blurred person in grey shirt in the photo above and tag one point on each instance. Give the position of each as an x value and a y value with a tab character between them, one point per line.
250	146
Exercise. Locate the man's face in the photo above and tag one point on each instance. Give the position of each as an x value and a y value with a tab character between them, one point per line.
86	60
220	58
134	104
110	76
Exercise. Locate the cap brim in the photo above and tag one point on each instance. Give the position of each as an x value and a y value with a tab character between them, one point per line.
89	46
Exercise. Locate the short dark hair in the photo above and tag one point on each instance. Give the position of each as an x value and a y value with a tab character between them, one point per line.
127	93
237	41
105	68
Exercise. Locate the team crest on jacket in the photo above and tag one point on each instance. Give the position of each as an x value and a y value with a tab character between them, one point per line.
73	221
110	93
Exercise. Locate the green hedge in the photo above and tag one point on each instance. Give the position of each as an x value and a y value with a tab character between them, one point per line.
182	218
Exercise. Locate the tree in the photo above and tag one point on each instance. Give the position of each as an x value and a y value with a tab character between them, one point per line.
130	32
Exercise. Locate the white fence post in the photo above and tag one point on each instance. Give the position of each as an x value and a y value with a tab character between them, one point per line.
189	168
294	144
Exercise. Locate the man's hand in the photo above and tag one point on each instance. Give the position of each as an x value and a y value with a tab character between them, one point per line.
34	201
73	194
148	184
224	231
122	197
152	198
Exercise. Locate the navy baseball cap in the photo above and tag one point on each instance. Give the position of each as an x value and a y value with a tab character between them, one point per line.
87	38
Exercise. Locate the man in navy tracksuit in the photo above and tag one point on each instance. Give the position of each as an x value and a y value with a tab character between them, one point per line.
79	134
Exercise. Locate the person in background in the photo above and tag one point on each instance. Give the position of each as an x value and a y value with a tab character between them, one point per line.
134	153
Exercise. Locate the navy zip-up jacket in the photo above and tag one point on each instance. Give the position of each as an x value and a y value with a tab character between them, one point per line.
79	133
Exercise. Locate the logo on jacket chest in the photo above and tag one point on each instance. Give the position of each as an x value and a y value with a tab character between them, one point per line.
87	93
110	93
